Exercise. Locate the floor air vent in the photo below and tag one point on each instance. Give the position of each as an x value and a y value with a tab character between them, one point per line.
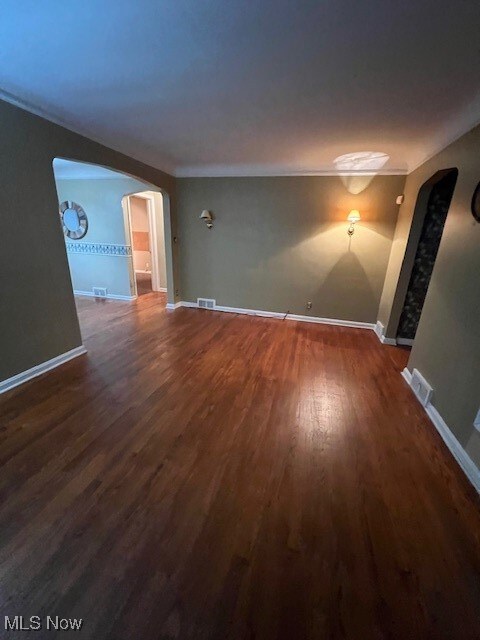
206	303
100	292
421	388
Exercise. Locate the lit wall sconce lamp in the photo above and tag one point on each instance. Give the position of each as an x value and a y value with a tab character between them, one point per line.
353	217
207	216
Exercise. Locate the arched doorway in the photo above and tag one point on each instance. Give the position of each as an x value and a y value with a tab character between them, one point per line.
431	209
101	259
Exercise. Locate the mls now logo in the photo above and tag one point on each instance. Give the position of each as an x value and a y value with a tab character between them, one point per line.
19	623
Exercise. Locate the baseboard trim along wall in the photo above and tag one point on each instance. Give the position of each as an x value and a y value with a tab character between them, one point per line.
109	296
173	305
276	314
380	331
407	376
461	456
25	376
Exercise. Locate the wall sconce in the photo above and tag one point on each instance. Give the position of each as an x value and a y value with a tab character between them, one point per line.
207	216
353	217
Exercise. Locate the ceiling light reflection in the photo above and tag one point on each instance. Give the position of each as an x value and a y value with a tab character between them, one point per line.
358	169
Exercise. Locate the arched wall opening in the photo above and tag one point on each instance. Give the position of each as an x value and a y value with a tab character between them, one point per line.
107	192
430	214
40	325
103	255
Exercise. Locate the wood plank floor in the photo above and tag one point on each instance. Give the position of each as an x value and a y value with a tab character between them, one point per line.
212	476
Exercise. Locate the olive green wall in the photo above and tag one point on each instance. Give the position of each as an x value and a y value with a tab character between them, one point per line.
447	345
38	320
278	242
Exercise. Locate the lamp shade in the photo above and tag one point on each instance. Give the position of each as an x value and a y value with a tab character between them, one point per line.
205	215
353	216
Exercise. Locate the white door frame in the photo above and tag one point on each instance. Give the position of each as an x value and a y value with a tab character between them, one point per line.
154	253
129	238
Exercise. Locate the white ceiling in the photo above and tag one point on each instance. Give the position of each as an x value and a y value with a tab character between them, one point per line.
217	87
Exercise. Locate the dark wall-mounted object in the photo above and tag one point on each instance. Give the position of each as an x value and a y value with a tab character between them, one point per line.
476	203
441	187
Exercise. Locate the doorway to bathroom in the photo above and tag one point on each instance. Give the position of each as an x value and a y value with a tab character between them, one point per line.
144	211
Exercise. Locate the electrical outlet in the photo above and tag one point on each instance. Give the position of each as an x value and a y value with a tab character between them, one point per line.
309	304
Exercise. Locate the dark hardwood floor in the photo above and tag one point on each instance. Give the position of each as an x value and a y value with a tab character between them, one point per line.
203	475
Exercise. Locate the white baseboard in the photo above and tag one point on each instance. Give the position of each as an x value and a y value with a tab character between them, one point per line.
247	312
143	271
110	296
461	456
406	342
380	332
173	305
353	324
279	315
162	289
407	376
24	376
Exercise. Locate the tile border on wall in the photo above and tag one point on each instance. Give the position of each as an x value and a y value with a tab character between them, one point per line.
99	249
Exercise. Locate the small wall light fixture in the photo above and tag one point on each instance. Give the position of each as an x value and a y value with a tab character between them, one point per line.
353	217
207	216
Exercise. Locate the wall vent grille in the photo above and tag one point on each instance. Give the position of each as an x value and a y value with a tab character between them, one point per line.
421	388
206	303
100	292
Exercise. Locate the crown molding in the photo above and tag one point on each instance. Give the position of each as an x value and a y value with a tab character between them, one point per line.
269	171
50	116
248	170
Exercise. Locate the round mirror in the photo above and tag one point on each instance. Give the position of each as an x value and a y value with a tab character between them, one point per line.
74	220
71	219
